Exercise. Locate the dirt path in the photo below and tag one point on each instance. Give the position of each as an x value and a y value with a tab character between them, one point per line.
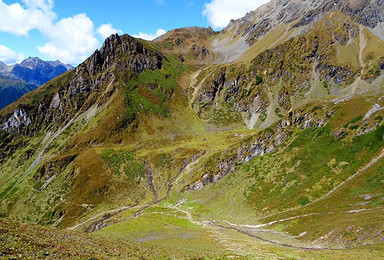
113	211
243	231
248	230
270	223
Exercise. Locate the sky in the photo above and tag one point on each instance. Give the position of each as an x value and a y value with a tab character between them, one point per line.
71	30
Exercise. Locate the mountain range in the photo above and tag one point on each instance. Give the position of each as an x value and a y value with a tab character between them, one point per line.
264	140
26	76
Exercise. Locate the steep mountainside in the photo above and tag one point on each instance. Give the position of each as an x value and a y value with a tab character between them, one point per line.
264	140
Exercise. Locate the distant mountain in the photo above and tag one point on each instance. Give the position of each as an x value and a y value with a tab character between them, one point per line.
4	68
34	70
26	76
11	90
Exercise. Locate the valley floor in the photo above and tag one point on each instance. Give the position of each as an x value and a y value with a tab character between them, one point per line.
20	241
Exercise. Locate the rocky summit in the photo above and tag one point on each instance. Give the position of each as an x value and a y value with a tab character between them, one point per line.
264	140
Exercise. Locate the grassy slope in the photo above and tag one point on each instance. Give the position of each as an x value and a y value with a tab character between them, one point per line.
34	242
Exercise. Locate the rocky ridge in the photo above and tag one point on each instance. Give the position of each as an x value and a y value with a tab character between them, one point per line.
89	85
79	93
277	12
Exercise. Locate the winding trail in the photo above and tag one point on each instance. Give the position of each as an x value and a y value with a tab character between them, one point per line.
248	230
247	233
270	223
211	223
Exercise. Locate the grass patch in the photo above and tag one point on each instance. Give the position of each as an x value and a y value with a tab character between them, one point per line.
150	91
115	159
302	172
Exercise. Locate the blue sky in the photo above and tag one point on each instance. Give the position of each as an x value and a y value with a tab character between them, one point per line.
71	30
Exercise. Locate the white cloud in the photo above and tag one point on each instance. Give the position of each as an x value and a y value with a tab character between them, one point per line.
19	21
106	30
71	40
9	56
220	12
45	6
150	36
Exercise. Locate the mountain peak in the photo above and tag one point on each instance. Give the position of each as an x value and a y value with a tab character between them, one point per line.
123	53
34	62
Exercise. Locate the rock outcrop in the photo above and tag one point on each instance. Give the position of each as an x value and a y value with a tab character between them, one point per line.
18	119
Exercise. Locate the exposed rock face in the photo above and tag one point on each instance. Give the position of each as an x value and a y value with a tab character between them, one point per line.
209	93
199	52
136	57
18	119
192	43
288	67
53	168
257	30
3	68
